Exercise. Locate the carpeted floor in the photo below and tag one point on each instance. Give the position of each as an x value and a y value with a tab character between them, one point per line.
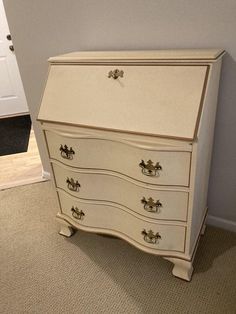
43	272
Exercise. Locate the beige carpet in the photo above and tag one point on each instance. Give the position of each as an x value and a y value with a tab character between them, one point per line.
43	272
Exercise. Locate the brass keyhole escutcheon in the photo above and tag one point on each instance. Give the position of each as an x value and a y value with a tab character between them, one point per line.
115	74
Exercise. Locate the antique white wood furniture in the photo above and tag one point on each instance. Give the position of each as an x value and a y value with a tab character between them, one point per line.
129	137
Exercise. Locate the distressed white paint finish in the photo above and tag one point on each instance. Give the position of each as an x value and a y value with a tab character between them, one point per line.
161	100
65	229
182	269
106	165
142	141
201	159
132	56
111	217
99	153
12	97
100	186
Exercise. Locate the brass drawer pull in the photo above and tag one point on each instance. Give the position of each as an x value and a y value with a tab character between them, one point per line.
66	152
73	185
77	213
148	169
150	237
115	74
151	206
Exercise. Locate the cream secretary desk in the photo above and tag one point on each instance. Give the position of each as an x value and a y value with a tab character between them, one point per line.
129	137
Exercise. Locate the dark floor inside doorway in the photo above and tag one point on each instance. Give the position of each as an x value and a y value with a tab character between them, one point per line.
14	134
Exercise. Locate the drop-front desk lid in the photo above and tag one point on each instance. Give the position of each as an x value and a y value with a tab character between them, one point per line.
138	92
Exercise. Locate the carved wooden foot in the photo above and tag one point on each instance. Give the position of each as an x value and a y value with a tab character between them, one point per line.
182	269
66	230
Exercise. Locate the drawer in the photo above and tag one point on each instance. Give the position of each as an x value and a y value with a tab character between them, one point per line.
150	166
100	217
149	202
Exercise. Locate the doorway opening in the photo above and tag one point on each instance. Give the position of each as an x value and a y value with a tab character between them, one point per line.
19	157
20	162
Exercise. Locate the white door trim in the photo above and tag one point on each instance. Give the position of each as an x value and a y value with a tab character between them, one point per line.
12	96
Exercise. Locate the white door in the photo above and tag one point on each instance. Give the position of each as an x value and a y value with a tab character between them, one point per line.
12	97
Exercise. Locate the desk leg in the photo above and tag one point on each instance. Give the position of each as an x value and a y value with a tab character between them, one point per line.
65	229
182	269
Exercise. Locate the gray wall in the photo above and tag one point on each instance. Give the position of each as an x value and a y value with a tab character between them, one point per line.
43	28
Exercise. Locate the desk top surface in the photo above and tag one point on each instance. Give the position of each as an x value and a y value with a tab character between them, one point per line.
152	55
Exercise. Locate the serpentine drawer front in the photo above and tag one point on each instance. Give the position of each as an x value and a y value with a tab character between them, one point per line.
146	201
92	215
129	137
151	166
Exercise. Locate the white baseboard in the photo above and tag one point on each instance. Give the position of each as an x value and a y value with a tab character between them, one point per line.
221	223
46	175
